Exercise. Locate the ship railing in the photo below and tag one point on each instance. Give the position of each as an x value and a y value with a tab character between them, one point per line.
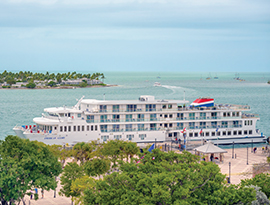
51	117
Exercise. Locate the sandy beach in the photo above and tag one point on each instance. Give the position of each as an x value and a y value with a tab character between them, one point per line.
239	170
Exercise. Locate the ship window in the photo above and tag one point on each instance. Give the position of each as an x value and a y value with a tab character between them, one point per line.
128	118
233	114
65	128
207	134
140	117
228	114
250	132
164	106
160	115
79	115
245	122
104	137
190	134
202	134
116	128
131	108
250	122
78	128
129	137
142	136
92	127
153	117
55	128
61	129
65	114
87	127
239	132
150	107
234	132
165	115
160	125
237	114
152	126
68	114
74	128
82	128
224	114
213	114
170	106
129	127
170	124
196	134
245	132
116	118
69	128
224	133
96	127
218	133
103	108
117	137
140	127
170	115
170	134
165	125
103	128
115	108
213	133
229	132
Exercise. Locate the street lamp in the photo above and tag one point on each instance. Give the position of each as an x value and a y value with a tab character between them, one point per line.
247	155
233	149
251	145
229	181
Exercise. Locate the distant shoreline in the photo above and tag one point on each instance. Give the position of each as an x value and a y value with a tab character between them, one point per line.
58	87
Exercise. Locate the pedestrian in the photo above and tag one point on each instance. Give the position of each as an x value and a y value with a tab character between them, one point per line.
42	193
255	149
36	190
212	157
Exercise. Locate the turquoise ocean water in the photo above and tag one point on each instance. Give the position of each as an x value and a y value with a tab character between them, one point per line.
19	107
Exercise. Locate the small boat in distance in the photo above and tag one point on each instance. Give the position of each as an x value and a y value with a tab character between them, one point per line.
209	77
216	77
156	84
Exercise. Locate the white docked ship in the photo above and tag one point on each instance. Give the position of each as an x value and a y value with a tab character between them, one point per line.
144	120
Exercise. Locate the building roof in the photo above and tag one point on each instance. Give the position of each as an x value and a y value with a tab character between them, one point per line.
209	148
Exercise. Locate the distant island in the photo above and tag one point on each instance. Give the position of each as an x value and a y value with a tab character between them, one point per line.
32	80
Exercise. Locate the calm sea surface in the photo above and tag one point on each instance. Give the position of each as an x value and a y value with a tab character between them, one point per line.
19	107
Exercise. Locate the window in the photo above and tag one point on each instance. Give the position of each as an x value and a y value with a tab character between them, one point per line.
214	115
190	134
191	125
228	114
103	128
90	118
237	114
170	125
103	118
116	128
128	118
117	137
74	128
250	122
202	134
92	127
165	116
61	129
82	128
239	132
150	107
224	114
152	126
170	115
196	134
130	137
104	137
214	124
65	128
213	133
131	108
218	133
115	108
95	127
140	127
180	125
142	136
250	132
153	117
103	108
129	127
116	118
224	133
87	127
229	132
79	115
191	116
245	132
78	128
180	115
207	134
224	124
233	114
234	132
203	124
170	106
69	128
164	106
140	117
202	115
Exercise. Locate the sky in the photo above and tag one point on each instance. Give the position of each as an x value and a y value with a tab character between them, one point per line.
135	35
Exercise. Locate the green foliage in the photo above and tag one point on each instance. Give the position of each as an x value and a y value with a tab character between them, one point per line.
25	165
97	167
83	84
261	180
52	84
31	85
83	151
261	198
166	178
71	172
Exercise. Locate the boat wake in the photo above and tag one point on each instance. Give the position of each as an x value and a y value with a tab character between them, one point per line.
176	88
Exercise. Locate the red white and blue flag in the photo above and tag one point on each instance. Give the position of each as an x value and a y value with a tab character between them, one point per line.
203	102
201	131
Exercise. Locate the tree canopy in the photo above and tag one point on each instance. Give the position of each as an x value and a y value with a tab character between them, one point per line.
25	165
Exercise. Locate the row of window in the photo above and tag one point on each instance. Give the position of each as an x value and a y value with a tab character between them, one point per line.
224	133
248	122
78	128
129	137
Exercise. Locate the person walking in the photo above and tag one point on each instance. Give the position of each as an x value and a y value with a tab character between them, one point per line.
42	193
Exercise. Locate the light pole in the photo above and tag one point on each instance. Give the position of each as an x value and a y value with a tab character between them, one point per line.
247	155
233	149
229	181
155	142
251	145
